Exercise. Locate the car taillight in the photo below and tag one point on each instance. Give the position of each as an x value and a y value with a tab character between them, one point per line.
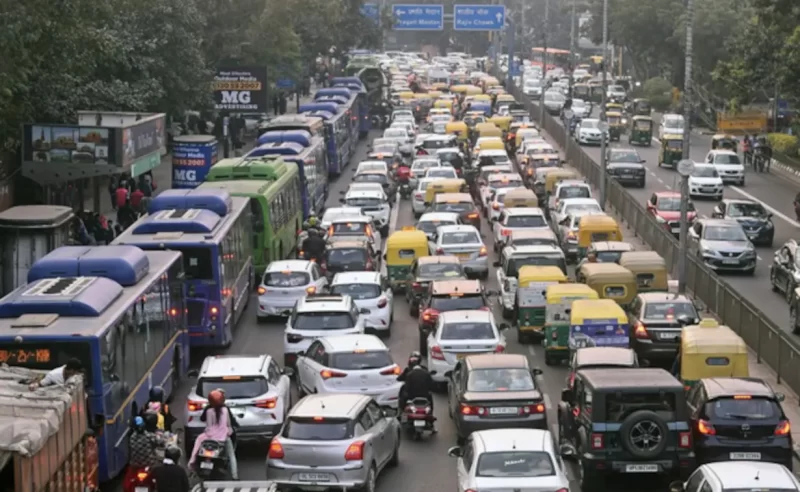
496	206
368	266
597	441
685	440
471	410
484	308
268	403
382	302
473	215
641	332
530	172
328	374
311	290
195	406
416	286
483	251
439	251
275	450
262	291
784	428
418	196
499	349
529	409
436	353
704	427
292	338
355	452
392	371
429	315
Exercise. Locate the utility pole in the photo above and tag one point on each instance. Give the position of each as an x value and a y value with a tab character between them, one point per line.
496	46
603	120
381	7
544	62
510	28
571	52
688	164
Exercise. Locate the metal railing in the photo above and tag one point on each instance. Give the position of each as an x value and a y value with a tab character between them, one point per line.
772	345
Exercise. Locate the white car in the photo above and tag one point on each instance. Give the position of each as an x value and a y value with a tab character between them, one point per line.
377	187
465	242
373	204
616	93
372	166
573	206
443	172
514	219
461	333
496	203
418	197
407	126
705	182
420	166
567	189
510	459
370	291
499	157
527	133
740	475
400	113
355	226
532	87
728	165
284	283
334	213
421	138
350	364
580	109
671	124
588	132
429	222
401	136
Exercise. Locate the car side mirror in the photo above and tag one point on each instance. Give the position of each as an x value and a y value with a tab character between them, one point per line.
495	219
342	201
496	264
676	486
342	192
193	373
288	371
566	394
504	326
642	161
455	452
448	374
492	293
769	216
536	372
780	397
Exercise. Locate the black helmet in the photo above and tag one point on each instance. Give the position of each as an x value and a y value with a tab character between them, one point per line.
173	453
414	359
150	421
157	394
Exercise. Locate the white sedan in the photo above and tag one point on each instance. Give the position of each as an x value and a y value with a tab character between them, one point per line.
588	132
369	291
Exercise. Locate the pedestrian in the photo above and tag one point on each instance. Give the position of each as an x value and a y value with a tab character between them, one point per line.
136	199
112	188
202	125
146	184
120	195
276	103
283	102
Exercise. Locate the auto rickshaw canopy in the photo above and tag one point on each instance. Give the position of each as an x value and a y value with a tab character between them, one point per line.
594	228
559	292
458	128
501	122
584	310
559	174
649	268
488	129
529	274
520	197
609	280
404	246
709	349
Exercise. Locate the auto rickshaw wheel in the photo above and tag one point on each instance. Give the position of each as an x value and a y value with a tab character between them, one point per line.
507	313
522	337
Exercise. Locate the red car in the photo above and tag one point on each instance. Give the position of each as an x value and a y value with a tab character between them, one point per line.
665	206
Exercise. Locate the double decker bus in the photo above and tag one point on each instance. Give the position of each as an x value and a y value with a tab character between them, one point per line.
213	231
117	309
274	190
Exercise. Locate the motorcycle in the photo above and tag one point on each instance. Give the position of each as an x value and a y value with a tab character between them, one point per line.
417	417
141	481
405	190
211	462
379	121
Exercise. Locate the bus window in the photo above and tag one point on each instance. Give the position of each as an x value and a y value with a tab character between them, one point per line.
197	263
258	221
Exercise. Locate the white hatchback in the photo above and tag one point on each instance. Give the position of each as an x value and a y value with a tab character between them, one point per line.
728	165
372	166
420	166
443	172
371	292
706	182
284	283
333	213
418	198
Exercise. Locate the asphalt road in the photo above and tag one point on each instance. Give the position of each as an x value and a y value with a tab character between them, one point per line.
774	191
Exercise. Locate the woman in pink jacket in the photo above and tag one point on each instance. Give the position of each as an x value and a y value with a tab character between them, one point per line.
219	427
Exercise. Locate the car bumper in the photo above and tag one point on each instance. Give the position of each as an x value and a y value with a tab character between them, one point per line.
378	320
648	350
705	191
352	475
468	425
441	367
631	180
683	465
243	432
589	140
732	178
717	265
272	308
476	266
762	236
717	452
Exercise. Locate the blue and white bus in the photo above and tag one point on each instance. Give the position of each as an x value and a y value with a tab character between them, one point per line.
338	140
213	230
356	86
117	309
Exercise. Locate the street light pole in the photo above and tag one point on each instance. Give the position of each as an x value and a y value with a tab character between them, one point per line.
687	80
603	134
544	62
688	164
511	63
685	169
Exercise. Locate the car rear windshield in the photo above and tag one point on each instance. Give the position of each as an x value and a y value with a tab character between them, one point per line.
436	144
669	310
354	228
484	380
286	279
318	429
467	331
341	256
457	302
361	361
526	221
460	237
515	264
430	226
440	270
743	408
515	464
364	202
620	405
322	321
533	241
357	291
454	207
235	387
371	178
574	192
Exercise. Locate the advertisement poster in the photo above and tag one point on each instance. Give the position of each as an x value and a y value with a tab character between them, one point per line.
68	143
142	139
241	89
192	157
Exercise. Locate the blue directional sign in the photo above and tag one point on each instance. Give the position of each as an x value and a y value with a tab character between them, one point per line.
284	84
479	17
415	17
370	11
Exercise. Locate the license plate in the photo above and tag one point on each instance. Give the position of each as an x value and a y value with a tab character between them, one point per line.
314	477
641	468
676	230
206	465
668	335
461	356
464	255
730	262
141	489
419	423
746	456
503	410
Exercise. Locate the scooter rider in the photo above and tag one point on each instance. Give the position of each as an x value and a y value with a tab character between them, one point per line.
156	400
169	476
220	424
418	382
314	246
143	444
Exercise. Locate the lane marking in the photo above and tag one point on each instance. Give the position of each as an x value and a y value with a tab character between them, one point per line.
774	211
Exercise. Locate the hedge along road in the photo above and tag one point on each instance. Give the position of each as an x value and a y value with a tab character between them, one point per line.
772	190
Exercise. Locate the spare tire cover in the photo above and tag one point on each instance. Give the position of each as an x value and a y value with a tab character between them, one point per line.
644	434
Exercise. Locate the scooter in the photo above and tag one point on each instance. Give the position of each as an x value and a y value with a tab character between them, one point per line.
142	481
417	417
211	462
405	190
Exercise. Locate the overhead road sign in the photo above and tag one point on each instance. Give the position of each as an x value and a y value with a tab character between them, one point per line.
479	17
417	17
370	11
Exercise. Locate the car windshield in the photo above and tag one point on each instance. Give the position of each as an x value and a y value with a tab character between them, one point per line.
673	204
358	292
590	124
616	88
516	263
515	464
624	156
346	256
673	123
669	310
460	237
726	159
360	360
441	172
467	331
438	143
234	386
430	226
383	149
454	207
322	321
705	172
286	279
526	221
364	202
608	256
724	233
554	97
447	156
457	302
370	178
485	380
754	210
440	271
743	408
581	208
317	429
574	192
499	159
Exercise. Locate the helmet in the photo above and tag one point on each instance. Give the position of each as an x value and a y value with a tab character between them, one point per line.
157	394
138	422
216	398
312	221
414	359
173	453
150	421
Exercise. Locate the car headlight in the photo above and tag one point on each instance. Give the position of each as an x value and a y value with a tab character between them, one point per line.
750	253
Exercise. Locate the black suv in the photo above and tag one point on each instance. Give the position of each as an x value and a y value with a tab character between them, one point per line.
626	166
739	419
626	421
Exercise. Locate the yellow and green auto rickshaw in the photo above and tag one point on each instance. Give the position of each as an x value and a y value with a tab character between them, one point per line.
596	92
724	141
641	107
488	129
559	299
649	268
539	179
501	122
671	151
457	128
598	323
609	280
641	132
613	107
531	299
402	248
711	350
615	126
596	228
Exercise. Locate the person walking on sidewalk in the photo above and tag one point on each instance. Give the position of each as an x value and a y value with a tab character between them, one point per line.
284	102
136	199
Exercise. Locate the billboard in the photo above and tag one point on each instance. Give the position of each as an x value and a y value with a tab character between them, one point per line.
70	144
241	89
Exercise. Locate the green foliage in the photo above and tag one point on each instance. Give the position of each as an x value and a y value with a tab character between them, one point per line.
656	87
783	143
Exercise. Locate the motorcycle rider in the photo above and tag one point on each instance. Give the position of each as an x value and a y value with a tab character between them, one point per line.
314	246
155	403
418	383
220	424
169	476
143	444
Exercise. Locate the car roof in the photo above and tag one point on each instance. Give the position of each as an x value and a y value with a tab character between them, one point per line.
435	136
524	211
722	151
498	440
722	387
324	302
218	366
445	197
591	356
729	201
464	286
498	361
344	241
751	475
531	233
289	265
504	176
667	194
632	378
466	315
574	182
663	297
534	248
331	405
356	278
351	218
719	222
351	343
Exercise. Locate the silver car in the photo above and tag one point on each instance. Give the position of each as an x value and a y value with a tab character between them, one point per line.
284	283
723	245
334	440
465	242
418	198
